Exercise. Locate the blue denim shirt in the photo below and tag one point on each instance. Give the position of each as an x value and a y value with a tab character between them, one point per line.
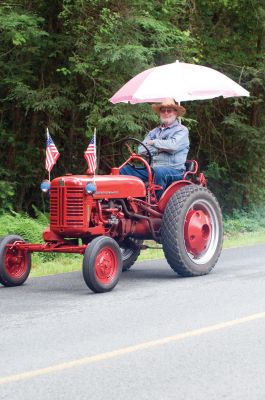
171	145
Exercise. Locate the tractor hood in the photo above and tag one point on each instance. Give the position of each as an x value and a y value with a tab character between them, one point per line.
107	186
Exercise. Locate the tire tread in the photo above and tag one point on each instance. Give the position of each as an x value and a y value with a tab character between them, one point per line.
172	222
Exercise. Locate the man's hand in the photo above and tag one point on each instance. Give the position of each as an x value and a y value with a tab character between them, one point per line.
150	142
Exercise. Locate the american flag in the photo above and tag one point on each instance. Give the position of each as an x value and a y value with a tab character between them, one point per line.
90	155
52	154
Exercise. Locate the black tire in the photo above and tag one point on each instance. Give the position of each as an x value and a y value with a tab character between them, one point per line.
192	231
130	251
15	265
102	264
1	238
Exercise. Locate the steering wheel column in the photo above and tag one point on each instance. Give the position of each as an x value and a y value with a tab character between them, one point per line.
135	158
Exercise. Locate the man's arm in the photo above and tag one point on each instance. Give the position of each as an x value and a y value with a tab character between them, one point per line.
151	148
176	142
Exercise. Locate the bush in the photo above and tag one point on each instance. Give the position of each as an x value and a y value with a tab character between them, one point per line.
7	194
28	228
241	221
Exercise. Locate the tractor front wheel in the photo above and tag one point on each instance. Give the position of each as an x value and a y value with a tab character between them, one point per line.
192	231
102	264
15	264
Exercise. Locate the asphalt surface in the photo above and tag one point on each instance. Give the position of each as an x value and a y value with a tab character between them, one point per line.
155	336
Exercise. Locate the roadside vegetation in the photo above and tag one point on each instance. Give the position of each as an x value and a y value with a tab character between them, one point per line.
241	229
60	62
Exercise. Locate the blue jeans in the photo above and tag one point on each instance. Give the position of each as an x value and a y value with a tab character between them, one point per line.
163	176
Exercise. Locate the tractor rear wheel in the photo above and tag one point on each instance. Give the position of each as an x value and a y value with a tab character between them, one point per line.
192	231
130	251
0	276
102	264
15	264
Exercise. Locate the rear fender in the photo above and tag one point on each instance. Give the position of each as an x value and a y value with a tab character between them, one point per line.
168	193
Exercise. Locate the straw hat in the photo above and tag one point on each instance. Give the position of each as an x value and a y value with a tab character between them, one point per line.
169	103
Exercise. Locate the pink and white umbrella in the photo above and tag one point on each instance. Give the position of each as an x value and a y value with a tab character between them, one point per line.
180	81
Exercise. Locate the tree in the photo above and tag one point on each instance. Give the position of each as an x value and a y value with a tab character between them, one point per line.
231	132
61	60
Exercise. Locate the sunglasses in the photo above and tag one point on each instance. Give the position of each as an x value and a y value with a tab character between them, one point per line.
166	109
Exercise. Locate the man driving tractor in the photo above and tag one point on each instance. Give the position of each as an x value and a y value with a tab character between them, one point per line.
168	144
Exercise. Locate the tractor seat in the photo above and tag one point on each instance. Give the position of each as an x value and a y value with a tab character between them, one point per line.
189	165
191	168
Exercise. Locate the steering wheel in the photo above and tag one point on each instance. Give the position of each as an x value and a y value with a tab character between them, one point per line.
131	147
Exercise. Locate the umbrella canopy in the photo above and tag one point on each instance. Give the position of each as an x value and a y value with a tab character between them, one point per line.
180	81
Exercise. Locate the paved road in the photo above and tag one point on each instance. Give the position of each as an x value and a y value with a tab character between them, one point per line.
156	336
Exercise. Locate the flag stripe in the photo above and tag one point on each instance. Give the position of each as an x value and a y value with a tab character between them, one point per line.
52	153
90	155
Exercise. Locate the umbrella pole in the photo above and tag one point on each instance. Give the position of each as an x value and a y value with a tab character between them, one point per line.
179	118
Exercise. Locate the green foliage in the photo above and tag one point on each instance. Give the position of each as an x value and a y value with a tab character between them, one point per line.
19	29
28	228
229	139
240	221
7	194
60	62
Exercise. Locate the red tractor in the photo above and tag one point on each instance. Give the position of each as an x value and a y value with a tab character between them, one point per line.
107	217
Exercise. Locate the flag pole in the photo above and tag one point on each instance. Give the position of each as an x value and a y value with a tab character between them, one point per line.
47	136
95	147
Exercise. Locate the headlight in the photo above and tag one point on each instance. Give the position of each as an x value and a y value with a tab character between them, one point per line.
45	186
90	188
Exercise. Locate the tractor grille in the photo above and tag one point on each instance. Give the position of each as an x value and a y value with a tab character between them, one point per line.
67	207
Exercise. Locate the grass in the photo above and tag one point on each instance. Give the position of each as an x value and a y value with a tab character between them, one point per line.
242	228
244	239
57	266
70	263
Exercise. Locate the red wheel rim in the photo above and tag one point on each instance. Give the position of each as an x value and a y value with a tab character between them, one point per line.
106	265
16	263
197	231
